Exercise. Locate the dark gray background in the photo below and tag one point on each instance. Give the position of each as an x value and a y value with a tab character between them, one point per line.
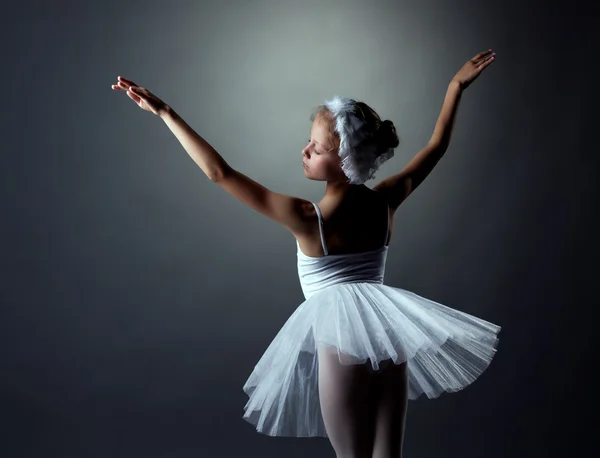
136	295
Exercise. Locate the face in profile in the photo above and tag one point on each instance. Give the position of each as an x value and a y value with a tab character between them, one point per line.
320	159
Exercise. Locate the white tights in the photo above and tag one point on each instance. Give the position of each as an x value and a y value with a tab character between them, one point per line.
364	411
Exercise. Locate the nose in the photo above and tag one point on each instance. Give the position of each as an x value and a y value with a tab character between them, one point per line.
306	150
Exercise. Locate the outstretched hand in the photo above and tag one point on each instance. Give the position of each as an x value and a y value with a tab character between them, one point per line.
141	96
473	68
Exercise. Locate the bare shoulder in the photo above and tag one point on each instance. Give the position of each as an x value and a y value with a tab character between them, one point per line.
294	213
394	190
398	187
307	216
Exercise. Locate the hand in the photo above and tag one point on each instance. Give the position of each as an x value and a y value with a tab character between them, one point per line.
472	69
143	97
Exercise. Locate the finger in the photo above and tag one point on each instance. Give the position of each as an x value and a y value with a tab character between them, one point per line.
126	85
135	98
485	63
143	93
136	90
126	81
119	87
140	93
142	103
482	55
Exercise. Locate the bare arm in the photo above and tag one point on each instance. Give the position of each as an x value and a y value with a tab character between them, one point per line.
201	152
445	122
398	187
423	162
289	211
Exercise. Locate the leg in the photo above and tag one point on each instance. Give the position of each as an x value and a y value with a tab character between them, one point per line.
391	411
347	404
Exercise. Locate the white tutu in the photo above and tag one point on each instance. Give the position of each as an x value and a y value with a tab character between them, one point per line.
446	350
349	309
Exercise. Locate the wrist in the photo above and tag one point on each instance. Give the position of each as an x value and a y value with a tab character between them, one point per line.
455	85
166	112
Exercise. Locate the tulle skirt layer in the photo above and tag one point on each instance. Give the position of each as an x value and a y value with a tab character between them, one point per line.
368	323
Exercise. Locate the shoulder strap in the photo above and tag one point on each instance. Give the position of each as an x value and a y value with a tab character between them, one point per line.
387	226
318	210
321	228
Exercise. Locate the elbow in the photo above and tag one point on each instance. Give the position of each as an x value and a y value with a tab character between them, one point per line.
215	176
218	173
438	144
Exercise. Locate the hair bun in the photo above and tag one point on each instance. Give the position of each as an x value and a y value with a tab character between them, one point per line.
387	134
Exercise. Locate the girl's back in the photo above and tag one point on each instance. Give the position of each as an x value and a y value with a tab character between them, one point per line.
354	224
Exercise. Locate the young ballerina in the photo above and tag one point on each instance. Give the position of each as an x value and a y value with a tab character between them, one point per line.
350	356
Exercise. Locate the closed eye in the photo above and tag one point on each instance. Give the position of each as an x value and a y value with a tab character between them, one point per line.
314	150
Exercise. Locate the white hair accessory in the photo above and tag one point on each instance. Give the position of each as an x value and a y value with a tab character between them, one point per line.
359	160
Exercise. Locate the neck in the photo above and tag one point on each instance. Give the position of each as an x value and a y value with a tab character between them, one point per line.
341	189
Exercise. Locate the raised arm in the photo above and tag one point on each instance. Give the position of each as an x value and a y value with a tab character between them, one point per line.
398	187
289	211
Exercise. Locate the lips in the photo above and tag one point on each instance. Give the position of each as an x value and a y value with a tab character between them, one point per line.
305	166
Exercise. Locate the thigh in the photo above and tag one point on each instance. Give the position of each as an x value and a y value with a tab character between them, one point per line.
348	404
391	411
